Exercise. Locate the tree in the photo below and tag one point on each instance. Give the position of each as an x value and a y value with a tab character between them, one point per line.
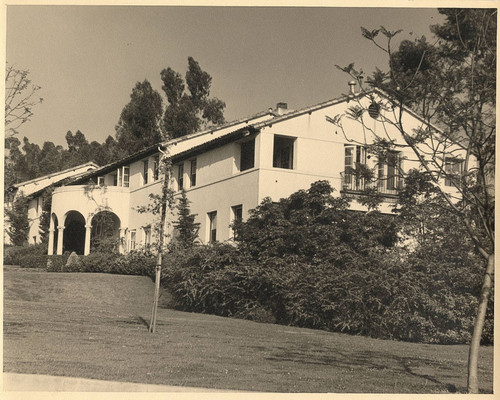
187	112
17	217
451	84
186	227
20	98
139	123
44	224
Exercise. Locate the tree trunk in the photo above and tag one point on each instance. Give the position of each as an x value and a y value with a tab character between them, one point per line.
163	217
472	379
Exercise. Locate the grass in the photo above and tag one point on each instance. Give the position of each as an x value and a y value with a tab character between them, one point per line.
95	326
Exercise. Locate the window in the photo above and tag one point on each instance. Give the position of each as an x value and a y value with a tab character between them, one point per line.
237	218
453	170
156	167
180	176
147	236
283	152
192	175
353	157
145	172
115	179
212	232
389	172
126	176
132	240
247	155
100	181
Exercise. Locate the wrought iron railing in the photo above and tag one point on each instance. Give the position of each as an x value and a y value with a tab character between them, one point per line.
385	185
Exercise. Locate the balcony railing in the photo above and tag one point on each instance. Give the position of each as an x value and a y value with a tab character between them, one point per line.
351	183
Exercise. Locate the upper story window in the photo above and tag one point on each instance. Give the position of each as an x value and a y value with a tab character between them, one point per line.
453	169
389	172
123	176
192	174
126	176
145	172
180	176
283	152
247	159
353	157
156	167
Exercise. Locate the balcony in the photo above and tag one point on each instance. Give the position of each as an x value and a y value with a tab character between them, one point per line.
88	200
386	186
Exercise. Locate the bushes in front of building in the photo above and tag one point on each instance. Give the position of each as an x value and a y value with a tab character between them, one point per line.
377	295
33	256
307	261
133	263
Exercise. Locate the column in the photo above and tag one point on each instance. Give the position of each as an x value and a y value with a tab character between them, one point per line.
88	230
60	240
51	242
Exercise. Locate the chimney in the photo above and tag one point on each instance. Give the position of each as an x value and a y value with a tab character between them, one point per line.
352	84
281	108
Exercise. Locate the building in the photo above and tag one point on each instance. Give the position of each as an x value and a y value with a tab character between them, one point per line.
33	190
227	171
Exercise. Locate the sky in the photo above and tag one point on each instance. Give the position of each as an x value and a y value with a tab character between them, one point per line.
87	59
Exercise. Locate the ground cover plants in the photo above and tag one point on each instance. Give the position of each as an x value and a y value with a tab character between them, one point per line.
94	325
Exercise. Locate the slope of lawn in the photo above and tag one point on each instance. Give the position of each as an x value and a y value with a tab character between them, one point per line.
95	326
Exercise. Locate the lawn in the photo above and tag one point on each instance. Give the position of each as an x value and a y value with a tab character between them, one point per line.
95	326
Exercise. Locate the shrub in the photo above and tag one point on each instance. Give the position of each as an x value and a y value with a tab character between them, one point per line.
215	279
98	262
33	256
73	264
133	263
12	254
56	263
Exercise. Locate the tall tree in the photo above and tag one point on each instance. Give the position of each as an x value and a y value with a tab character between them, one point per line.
139	124
188	111
186	226
451	83
17	217
20	98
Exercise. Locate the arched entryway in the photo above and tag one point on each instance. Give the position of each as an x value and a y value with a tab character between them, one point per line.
105	233
74	233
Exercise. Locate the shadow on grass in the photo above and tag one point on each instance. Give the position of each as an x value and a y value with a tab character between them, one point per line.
370	361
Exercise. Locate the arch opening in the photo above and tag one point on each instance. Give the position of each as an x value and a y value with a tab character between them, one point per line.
105	233
74	233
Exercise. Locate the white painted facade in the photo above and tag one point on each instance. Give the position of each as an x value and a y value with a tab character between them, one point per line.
33	189
290	152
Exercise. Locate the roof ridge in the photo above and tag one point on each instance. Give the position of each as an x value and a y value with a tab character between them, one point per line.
17	185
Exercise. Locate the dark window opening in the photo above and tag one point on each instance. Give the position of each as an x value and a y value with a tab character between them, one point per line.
283	152
212	233
453	171
180	176
247	160
156	168
145	172
193	173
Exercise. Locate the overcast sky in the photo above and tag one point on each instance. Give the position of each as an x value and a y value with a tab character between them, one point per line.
88	59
